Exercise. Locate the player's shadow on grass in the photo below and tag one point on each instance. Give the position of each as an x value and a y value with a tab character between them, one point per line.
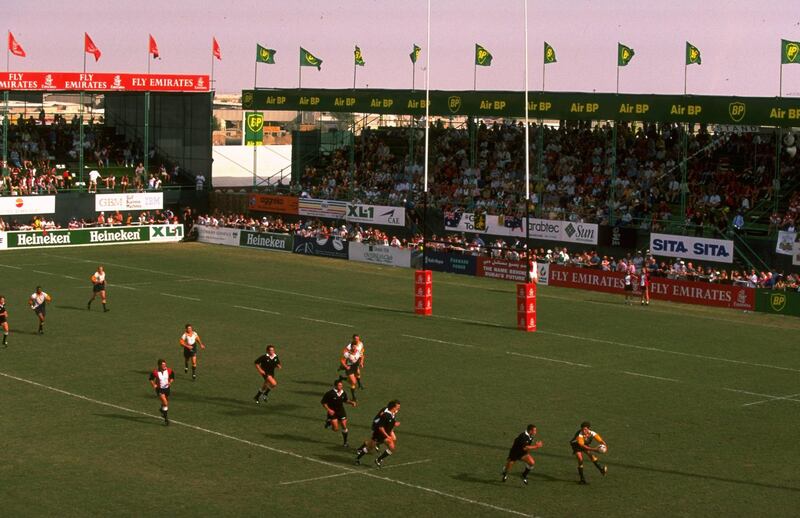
73	308
312	382
21	332
306	392
144	373
244	406
469	477
290	437
134	418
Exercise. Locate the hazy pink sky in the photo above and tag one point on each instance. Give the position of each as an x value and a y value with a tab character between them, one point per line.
739	41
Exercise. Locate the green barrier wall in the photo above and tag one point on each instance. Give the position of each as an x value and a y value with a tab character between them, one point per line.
778	302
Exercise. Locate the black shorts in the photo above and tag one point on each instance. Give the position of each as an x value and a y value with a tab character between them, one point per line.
340	415
41	310
3	320
97	288
164	391
378	437
352	370
515	455
629	287
188	353
577	449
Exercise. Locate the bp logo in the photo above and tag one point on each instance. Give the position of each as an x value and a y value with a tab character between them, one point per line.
736	111
255	121
569	230
792	51
777	301
247	99
454	103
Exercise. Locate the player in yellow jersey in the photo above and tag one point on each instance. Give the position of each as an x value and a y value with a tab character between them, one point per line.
98	279
582	445
38	302
351	362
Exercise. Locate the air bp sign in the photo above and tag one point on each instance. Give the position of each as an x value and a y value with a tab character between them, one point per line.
254	129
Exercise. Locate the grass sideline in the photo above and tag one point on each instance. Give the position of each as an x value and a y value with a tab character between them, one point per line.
695	403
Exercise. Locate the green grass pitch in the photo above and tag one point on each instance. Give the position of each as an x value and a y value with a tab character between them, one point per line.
699	406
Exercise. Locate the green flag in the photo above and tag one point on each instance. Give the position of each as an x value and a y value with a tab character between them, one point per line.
415	53
549	54
624	55
482	56
692	54
265	55
359	59
790	52
307	59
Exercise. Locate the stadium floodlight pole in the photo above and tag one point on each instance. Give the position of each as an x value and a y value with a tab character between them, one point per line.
528	155
427	137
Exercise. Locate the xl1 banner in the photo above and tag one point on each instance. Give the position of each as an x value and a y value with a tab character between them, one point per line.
376	214
24	205
696	248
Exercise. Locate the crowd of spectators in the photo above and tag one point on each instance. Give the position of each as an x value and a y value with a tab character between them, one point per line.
727	173
513	251
102	219
310	228
40	149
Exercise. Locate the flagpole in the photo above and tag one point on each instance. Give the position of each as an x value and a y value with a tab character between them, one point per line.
685	68
543	66
780	82
212	65
427	137
413	78
255	149
8	52
617	79
528	156
80	131
148	54
354	74
475	77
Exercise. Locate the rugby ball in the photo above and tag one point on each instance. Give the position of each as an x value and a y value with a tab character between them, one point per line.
602	448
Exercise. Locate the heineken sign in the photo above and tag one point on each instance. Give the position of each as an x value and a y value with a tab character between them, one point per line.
94	236
758	111
266	240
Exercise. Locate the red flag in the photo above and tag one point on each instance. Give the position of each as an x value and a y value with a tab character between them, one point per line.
89	47
215	50
14	47
153	47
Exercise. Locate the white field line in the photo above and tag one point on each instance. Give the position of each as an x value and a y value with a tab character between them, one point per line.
548	359
124	287
667	351
790	397
438	341
373	306
350	473
769	397
270	448
649	376
56	275
326	322
9	266
181	297
257	309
